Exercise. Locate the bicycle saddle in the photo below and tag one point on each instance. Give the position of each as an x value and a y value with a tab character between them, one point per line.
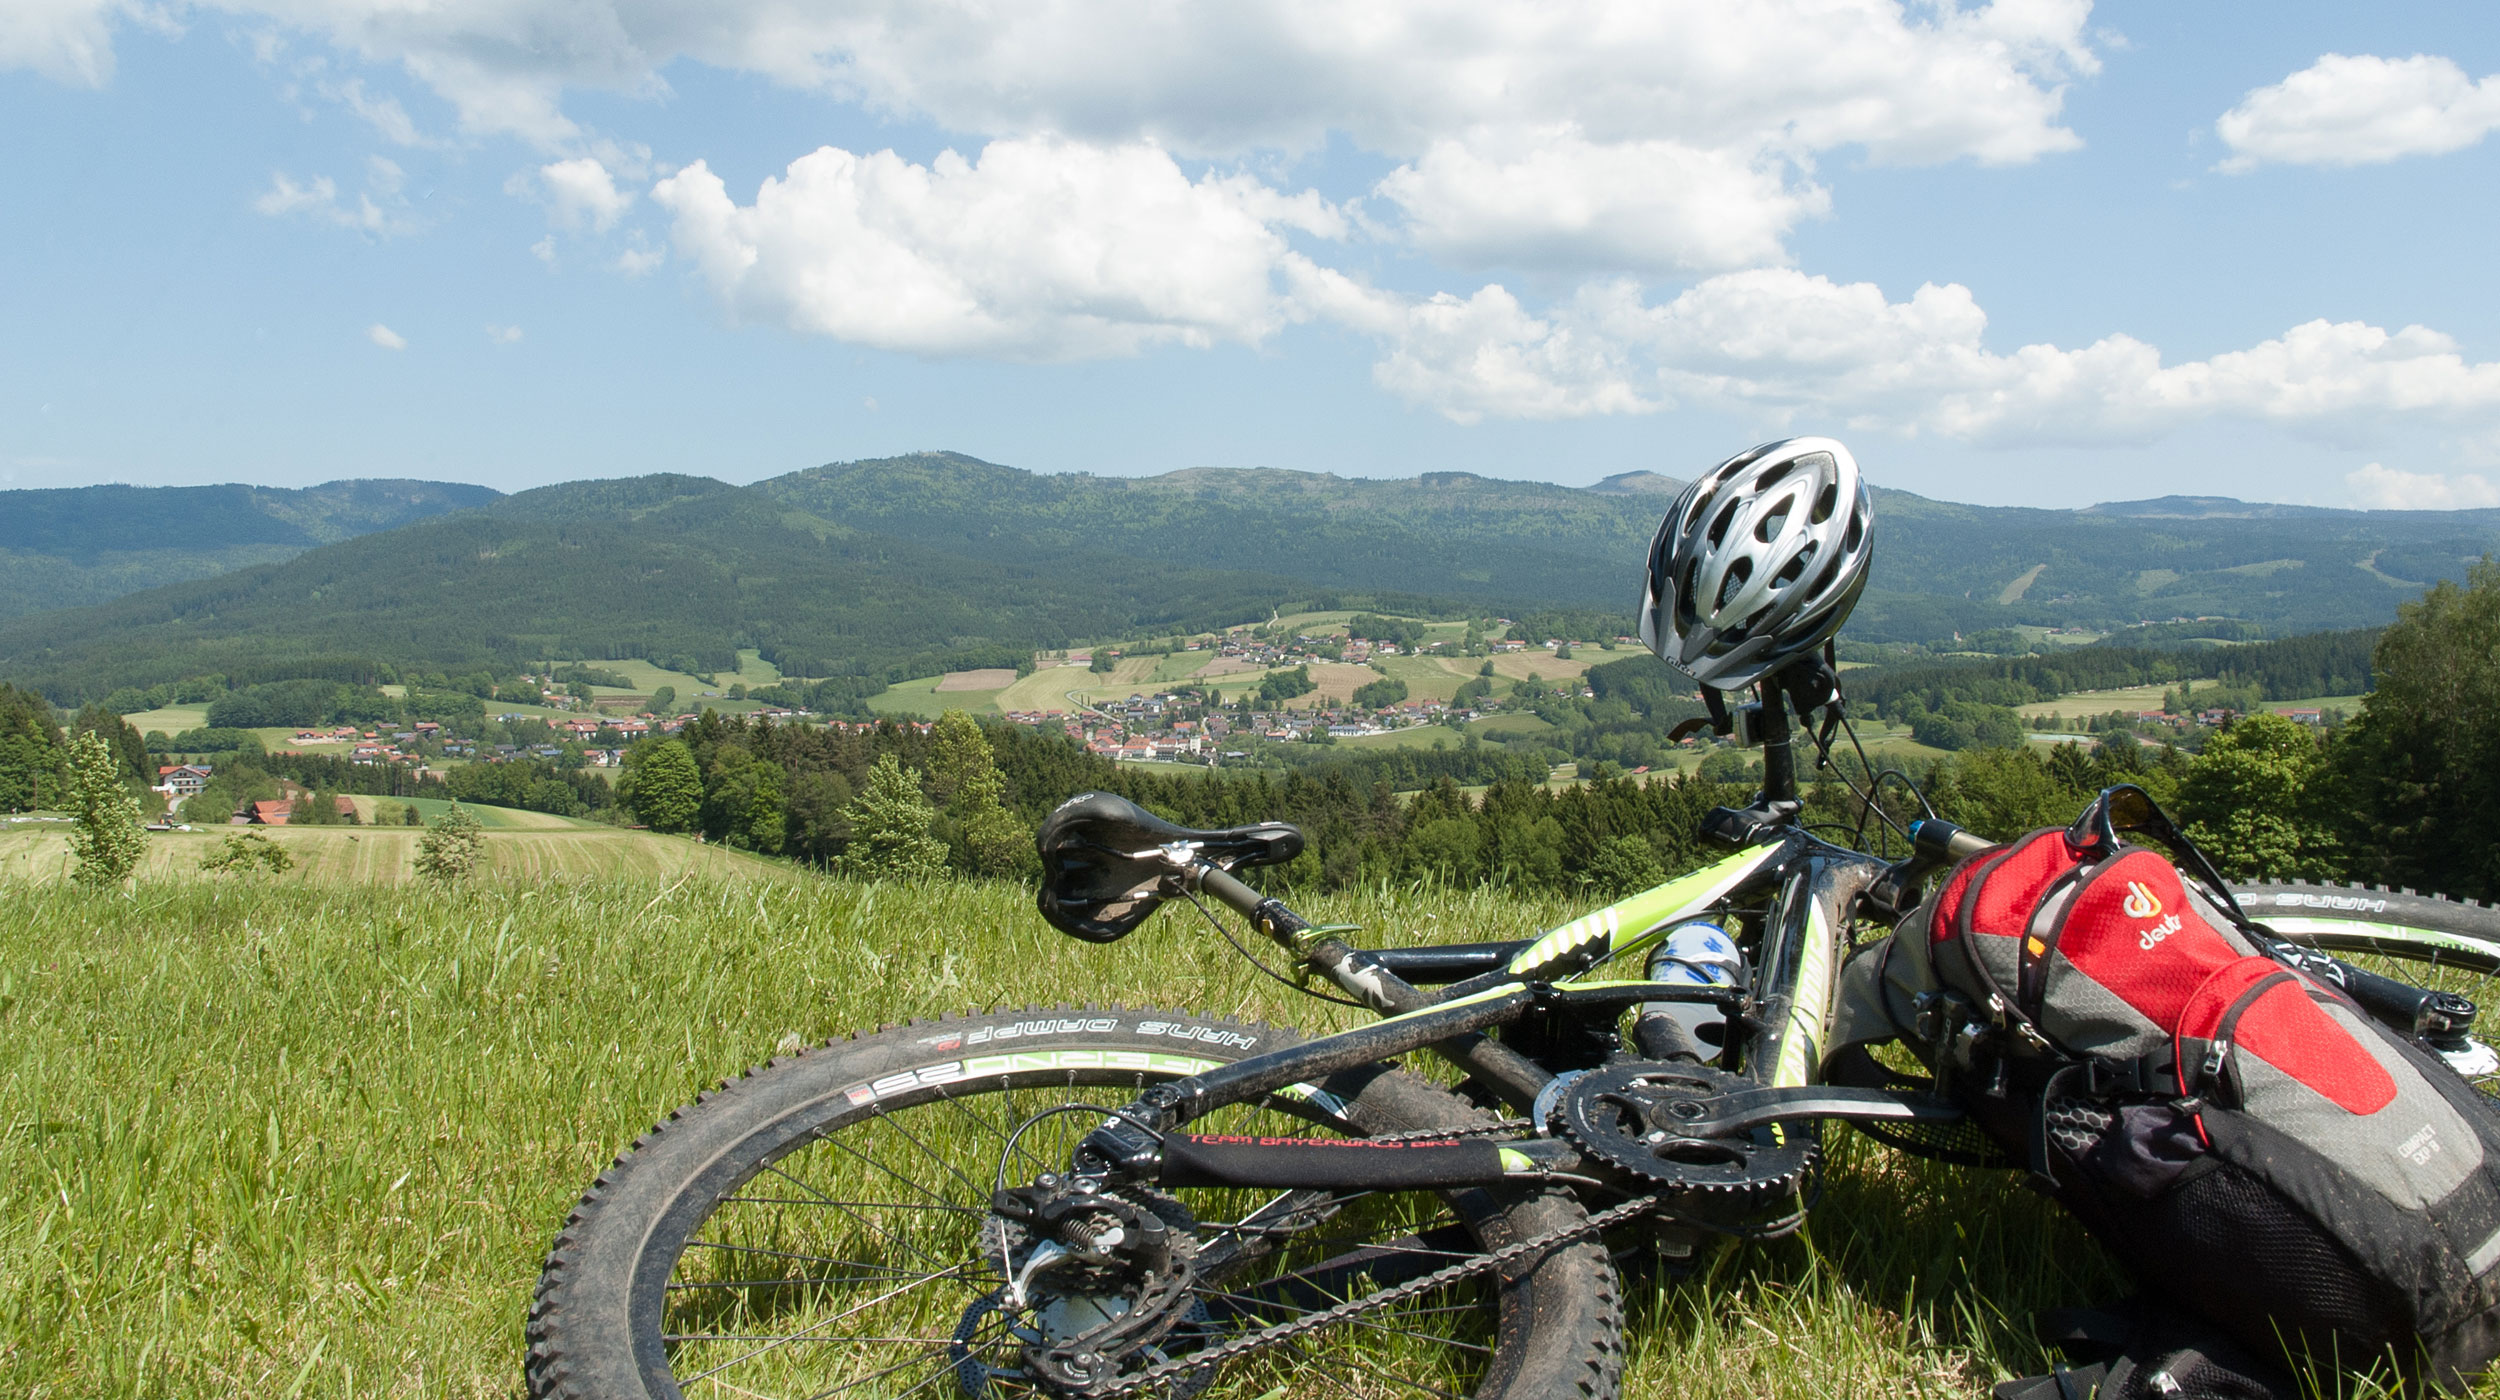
1103	864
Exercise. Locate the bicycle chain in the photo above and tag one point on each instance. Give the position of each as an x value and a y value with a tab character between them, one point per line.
1283	1332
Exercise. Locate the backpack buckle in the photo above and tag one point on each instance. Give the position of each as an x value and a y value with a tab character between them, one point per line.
2209	1069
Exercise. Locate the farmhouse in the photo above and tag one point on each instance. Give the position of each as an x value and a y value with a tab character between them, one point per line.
182	780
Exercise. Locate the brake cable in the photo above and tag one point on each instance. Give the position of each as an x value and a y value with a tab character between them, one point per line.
1252	958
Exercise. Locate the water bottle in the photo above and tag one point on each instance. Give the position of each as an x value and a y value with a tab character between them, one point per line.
1697	953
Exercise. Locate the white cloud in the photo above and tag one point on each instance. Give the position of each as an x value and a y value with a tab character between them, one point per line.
1778	342
583	194
286	197
502	335
379	211
2379	487
385	337
1557	199
640	262
1486	356
68	41
1041	249
2361	110
1710	113
383	114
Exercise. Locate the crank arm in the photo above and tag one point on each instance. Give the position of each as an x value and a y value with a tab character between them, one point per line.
1726	1114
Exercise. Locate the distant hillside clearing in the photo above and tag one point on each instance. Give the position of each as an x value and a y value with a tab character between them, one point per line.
998	678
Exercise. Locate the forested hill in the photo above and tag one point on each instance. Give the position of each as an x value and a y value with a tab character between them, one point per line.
936	559
1447	533
663	567
69	546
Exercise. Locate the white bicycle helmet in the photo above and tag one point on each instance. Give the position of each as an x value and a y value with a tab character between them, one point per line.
1758	562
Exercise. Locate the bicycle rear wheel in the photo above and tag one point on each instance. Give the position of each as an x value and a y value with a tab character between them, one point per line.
822	1228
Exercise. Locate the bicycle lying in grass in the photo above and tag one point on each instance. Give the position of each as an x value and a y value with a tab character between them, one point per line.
1116	1201
1113	1201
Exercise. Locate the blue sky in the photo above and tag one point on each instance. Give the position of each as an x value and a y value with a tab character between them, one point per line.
2033	253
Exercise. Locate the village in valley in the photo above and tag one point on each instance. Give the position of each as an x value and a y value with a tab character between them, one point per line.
1208	700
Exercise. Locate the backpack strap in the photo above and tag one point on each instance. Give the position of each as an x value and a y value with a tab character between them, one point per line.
2128	808
2001	1006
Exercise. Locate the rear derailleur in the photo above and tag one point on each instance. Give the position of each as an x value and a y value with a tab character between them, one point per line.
1097	1279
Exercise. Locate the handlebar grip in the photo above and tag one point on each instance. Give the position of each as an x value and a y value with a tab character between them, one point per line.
1943	843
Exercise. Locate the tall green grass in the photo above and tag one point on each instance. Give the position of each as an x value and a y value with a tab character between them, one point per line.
291	1140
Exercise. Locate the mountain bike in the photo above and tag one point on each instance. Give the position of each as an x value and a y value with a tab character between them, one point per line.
1112	1201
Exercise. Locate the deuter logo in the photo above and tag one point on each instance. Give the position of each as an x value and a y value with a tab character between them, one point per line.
2153	936
2142	905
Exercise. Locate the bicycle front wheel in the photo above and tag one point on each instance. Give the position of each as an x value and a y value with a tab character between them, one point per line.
2430	941
822	1227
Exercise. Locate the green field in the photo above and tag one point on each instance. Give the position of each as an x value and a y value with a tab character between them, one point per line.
311	1138
1414	736
524	846
2097	702
173	719
1518	722
922	699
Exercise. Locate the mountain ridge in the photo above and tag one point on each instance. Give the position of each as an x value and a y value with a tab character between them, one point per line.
71	546
939	558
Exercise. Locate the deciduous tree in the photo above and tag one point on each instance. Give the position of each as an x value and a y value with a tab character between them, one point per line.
2415	771
890	824
664	787
105	835
2249	800
452	847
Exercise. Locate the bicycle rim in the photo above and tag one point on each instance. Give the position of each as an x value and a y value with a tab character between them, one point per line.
853	1253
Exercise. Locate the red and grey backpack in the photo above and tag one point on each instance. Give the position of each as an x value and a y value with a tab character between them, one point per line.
2248	1140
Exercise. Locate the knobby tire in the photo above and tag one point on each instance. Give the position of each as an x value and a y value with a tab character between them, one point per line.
723	1243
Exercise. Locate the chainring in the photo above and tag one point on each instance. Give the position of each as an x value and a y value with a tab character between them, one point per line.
1628	1117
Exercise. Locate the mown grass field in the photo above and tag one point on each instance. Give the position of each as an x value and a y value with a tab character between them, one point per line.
518	848
310	1135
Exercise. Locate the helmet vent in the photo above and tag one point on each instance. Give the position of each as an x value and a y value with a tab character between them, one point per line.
1824	500
1776	517
1718	527
1729	586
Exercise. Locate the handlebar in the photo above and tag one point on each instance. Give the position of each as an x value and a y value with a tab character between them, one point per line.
1935	844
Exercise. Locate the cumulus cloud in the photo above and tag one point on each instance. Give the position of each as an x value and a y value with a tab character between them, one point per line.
581	193
2361	110
1779	342
1040	249
68	41
2379	487
1556	199
1706	116
383	336
502	335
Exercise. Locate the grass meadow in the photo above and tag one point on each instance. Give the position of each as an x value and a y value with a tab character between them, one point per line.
310	1136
